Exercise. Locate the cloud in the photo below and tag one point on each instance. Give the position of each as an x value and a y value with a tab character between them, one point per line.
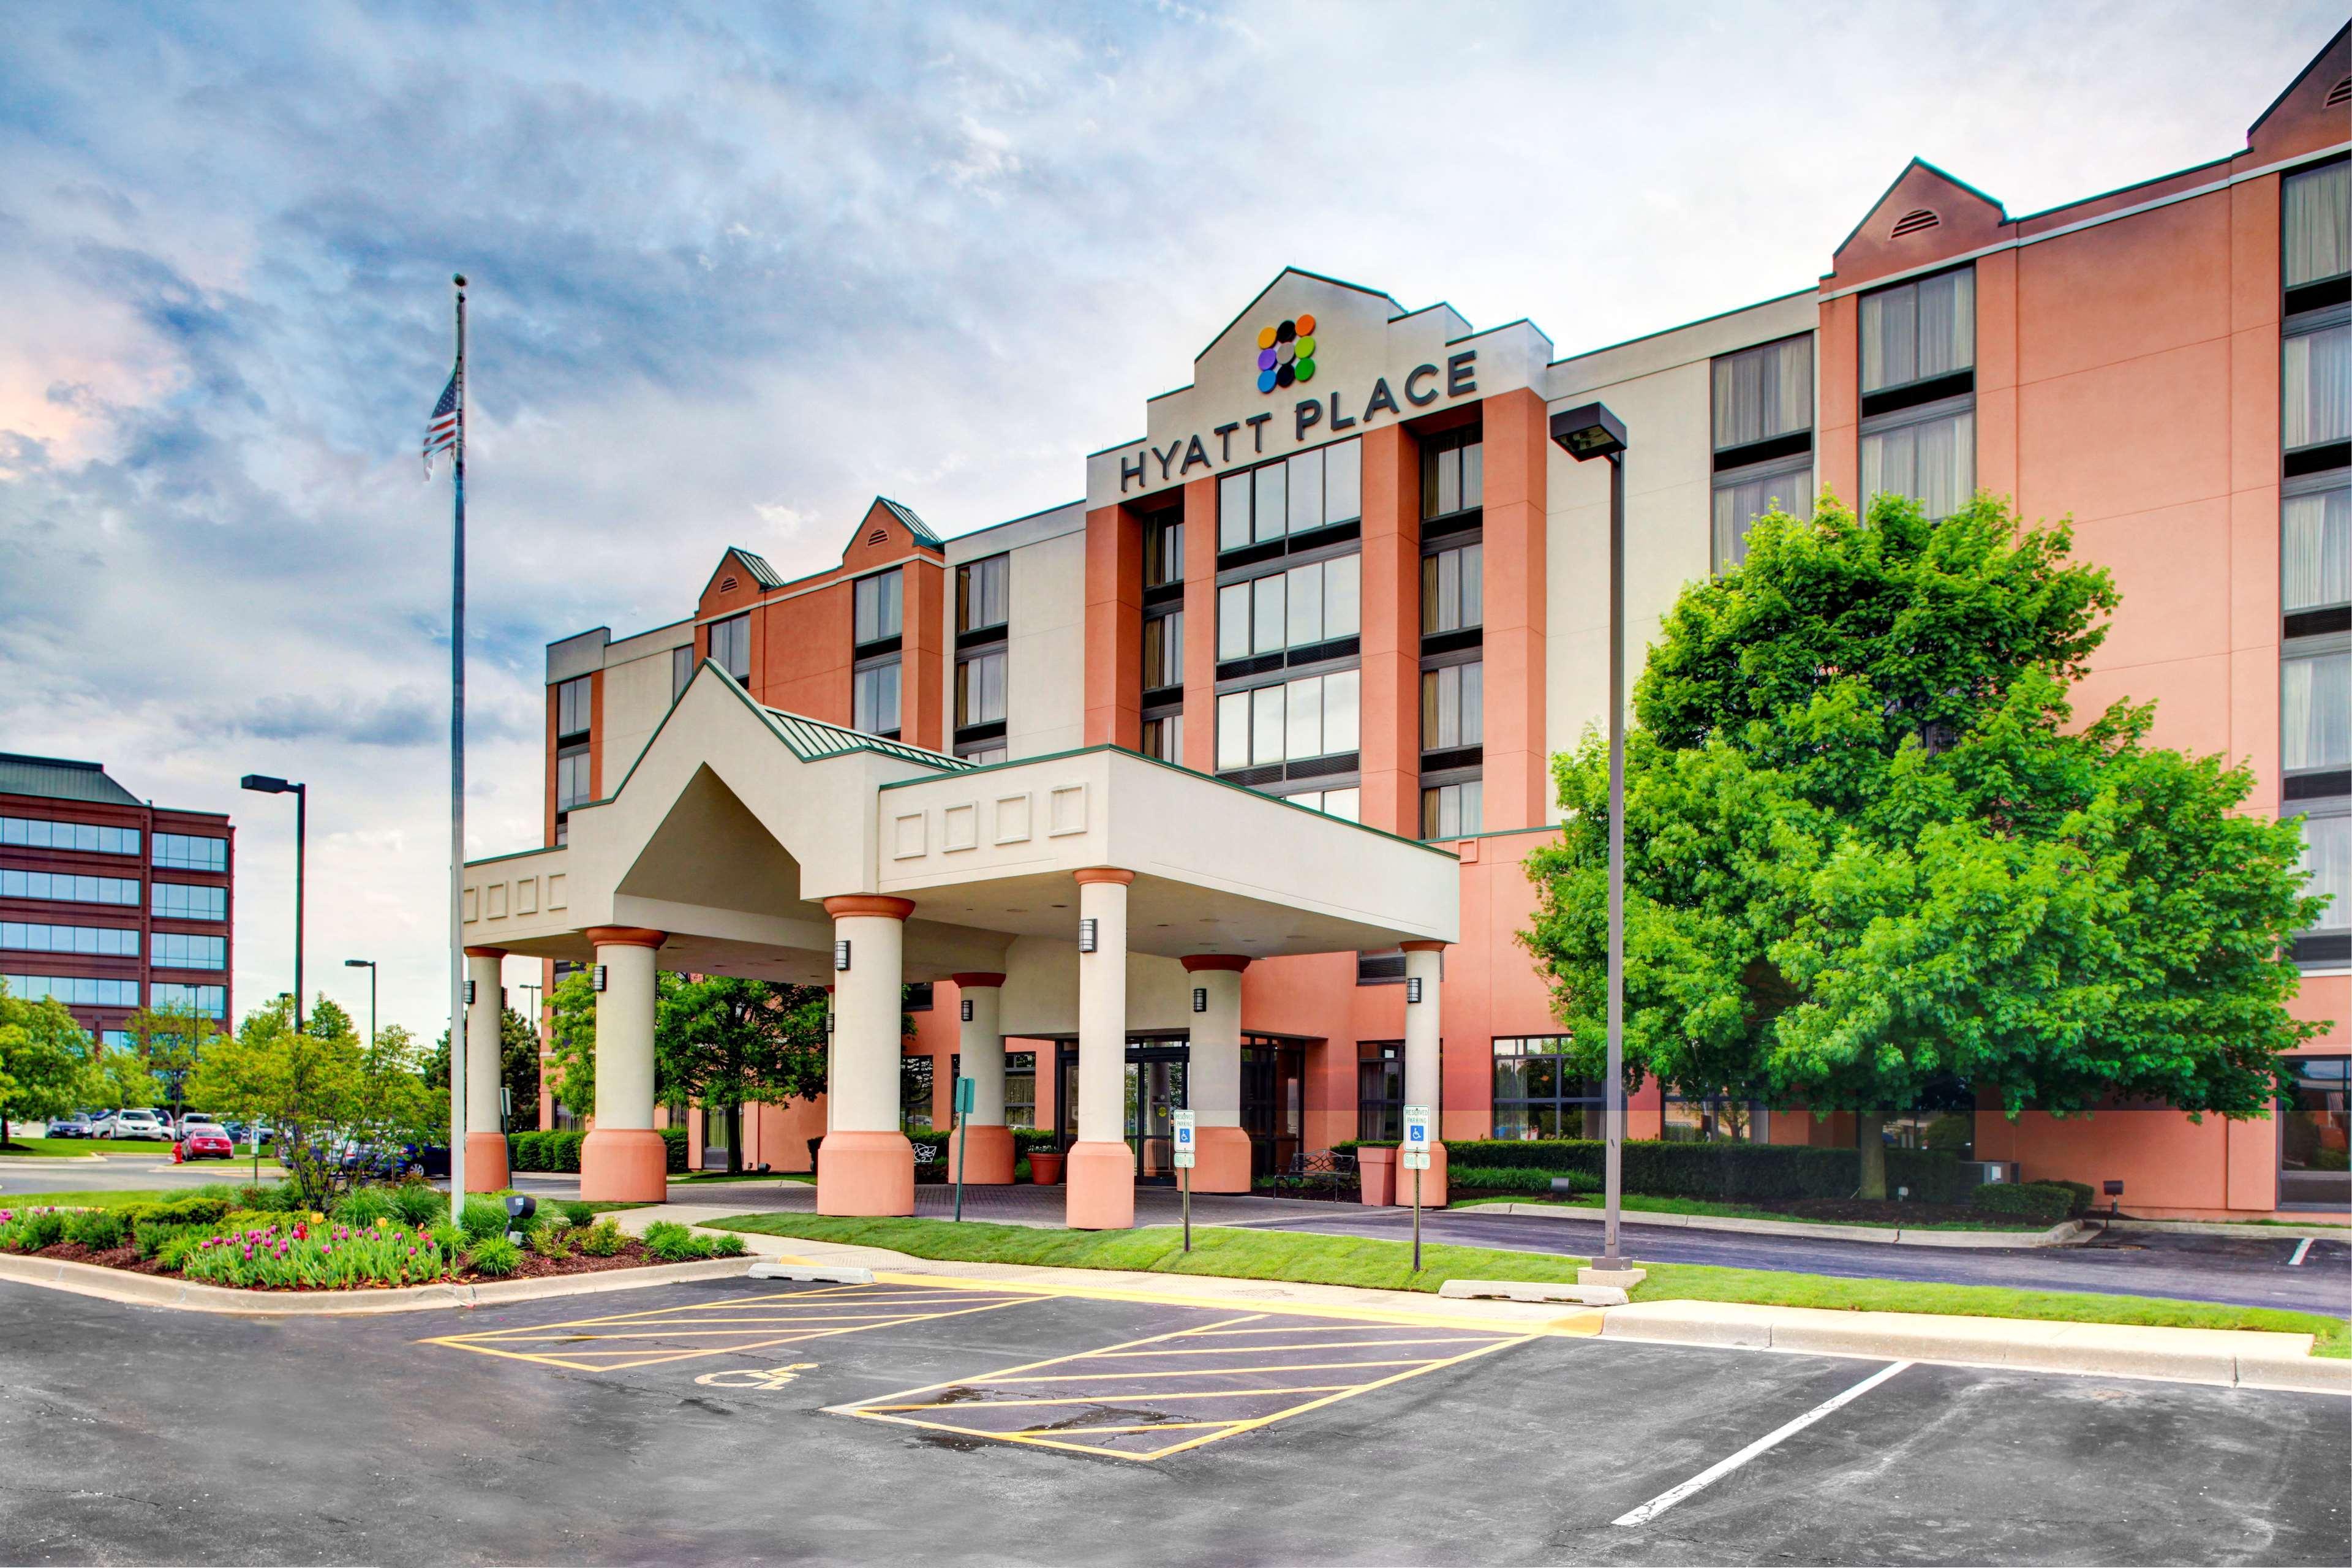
737	269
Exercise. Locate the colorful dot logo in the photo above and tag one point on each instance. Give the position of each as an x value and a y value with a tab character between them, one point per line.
1285	354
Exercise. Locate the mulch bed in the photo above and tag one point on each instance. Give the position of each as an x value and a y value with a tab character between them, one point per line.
632	1255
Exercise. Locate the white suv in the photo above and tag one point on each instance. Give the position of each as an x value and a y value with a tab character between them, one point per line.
139	1124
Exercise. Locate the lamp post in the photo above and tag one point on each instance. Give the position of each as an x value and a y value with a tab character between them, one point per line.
368	965
1585	433
262	783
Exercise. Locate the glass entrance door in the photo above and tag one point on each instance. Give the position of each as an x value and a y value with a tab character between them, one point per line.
1156	1087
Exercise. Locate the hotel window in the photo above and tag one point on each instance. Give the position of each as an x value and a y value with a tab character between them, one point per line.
1164	738
1763	439
89	941
980	689
1346	804
208	1001
574	701
572	789
1163	651
83	837
873	696
1453	589
1453	473
1304	493
1288	721
1163	549
182	852
1305	608
1535	1097
81	990
1712	1119
64	887
177	949
1919	392
1380	1090
183	901
1451	811
982	592
878	606
2315	544
915	1093
730	646
682	670
1452	707
1021	1088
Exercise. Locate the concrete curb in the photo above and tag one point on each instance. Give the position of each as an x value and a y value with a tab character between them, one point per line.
2225	1228
1884	1235
187	1295
36	1162
2228	1358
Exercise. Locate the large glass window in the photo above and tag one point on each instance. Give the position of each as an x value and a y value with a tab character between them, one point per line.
1315	716
183	901
2315	1133
1929	454
1453	474
1918	331
2328	857
873	696
915	1077
91	942
67	888
2315	395
1764	393
1454	810
2315	550
980	689
2315	217
983	593
572	773
83	837
1164	738
182	852
76	990
1164	550
1743	496
177	949
1346	804
1534	1095
207	1001
1452	707
2315	718
730	646
1163	651
880	608
1298	608
1021	1088
1305	491
1380	1090
574	702
1712	1119
1453	589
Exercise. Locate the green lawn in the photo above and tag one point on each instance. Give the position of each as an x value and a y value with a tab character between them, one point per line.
127	1199
1637	1202
1388	1265
37	1148
699	1181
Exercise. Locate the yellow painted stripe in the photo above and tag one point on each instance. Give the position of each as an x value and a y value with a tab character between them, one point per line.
1153	1395
1198	1372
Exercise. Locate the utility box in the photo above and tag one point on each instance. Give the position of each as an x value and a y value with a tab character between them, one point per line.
1991	1171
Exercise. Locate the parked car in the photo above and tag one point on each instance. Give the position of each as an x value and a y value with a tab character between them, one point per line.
138	1124
201	1141
242	1132
74	1126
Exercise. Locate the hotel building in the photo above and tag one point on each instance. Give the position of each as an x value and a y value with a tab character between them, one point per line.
1270	708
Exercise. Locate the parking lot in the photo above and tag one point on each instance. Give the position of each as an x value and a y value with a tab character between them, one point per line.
733	1420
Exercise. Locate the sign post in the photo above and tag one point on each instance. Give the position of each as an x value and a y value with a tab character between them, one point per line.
1184	1150
1414	1150
966	1088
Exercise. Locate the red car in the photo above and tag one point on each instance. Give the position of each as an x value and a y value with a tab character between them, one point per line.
201	1141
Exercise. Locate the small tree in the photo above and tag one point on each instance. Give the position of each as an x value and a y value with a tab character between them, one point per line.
724	1041
1868	850
518	1061
44	1061
572	1042
169	1041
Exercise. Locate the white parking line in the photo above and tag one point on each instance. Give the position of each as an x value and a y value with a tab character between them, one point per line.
1715	1472
2299	1249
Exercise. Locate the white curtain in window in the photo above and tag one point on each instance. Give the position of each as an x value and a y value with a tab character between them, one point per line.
2318	223
1933	461
2315	711
2315	550
2316	398
1764	392
2327	856
1742	501
1920	330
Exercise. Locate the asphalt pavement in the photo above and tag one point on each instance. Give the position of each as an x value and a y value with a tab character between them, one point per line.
732	1421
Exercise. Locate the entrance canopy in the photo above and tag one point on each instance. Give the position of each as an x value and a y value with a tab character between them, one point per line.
738	821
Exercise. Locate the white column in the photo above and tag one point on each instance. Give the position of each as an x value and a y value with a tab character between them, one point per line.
980	1047
1213	1084
866	1166
623	1159
1101	1167
484	1038
1423	1026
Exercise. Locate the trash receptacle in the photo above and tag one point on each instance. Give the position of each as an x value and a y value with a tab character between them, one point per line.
1376	1175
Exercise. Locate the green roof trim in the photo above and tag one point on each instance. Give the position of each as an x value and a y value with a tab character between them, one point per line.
812	740
757	565
60	778
915	525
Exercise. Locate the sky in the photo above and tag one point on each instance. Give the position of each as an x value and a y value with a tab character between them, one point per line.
737	269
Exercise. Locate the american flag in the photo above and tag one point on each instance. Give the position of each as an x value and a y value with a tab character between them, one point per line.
441	430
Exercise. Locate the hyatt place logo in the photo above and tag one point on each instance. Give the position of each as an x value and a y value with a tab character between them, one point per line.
1285	354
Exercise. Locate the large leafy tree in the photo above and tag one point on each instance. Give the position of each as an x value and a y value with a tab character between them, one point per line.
170	1041
44	1061
1869	850
722	1042
517	1063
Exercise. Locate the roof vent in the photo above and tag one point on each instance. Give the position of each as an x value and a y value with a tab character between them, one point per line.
1912	222
879	536
727	584
2340	94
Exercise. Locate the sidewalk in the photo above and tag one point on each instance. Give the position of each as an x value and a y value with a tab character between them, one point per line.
2223	1357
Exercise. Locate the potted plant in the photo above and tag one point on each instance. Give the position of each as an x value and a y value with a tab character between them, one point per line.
1046	1167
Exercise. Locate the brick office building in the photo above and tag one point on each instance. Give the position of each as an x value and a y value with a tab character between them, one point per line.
110	903
1346	566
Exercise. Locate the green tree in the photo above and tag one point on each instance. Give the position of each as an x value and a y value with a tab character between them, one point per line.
328	1020
722	1042
122	1080
169	1041
1868	849
572	1041
518	1064
44	1061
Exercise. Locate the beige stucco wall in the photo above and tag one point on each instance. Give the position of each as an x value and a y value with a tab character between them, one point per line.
637	695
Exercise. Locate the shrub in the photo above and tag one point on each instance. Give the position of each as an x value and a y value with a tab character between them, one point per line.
448	1237
419	1204
604	1240
673	1243
1717	1171
483	1216
2044	1203
551	1241
157	1240
1505	1179
578	1215
674	1147
273	1197
202	1210
101	1230
176	1250
29	1230
2084	1196
363	1206
494	1256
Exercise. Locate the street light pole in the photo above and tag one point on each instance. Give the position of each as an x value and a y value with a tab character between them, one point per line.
368	965
1585	433
262	783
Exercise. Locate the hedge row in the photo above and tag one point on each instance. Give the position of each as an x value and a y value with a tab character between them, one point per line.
560	1150
1722	1171
673	1145
2045	1203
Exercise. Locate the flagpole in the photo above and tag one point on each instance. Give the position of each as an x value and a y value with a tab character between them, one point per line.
458	795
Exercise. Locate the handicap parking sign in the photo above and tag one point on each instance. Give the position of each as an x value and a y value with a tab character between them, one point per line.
1415	1143
1182	1120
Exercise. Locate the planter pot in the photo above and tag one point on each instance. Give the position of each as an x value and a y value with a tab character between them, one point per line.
1046	1170
1377	1168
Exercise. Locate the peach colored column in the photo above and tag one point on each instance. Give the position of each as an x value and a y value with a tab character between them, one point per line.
1213	1084
866	1166
1101	1169
1423	1024
1518	446
485	1138
987	1143
1201	626
1114	668
1391	726
623	1159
